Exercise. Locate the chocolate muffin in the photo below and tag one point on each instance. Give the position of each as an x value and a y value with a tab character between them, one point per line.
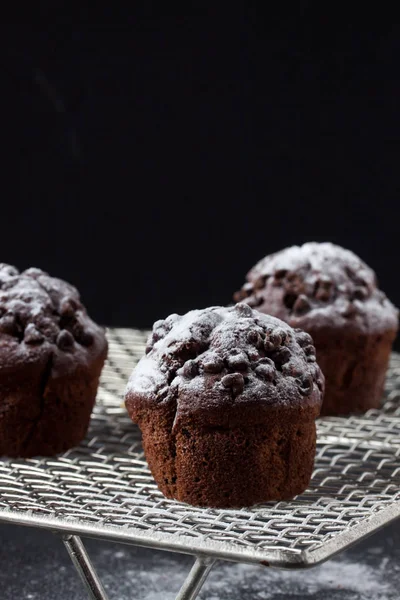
333	295
226	399
51	357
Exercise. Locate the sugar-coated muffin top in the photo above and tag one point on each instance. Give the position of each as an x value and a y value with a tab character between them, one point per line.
210	362
319	284
40	314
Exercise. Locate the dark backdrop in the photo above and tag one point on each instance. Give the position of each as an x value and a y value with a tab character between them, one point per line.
151	161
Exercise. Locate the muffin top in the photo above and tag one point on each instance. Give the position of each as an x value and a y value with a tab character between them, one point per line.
41	316
318	285
212	363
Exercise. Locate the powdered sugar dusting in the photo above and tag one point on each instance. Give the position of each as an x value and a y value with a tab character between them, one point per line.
339	578
219	356
36	309
319	284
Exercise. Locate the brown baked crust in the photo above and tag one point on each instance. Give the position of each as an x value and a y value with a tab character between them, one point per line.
333	295
51	357
354	367
226	399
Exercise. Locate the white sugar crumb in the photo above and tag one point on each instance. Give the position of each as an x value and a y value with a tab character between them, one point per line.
162	577
358	578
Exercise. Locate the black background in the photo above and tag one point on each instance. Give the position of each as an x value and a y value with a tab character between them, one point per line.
151	160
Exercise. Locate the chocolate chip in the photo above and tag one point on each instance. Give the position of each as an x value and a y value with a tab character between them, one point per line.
309	350
82	336
68	307
212	363
360	293
292	369
305	385
323	295
190	369
65	340
49	328
34	273
244	309
253	337
8	324
289	300
303	339
280	273
266	361
238	362
281	356
325	283
252	353
85	338
8	270
323	289
259	283
266	369
294	284
274	339
302	305
32	335
234	381
170	321
283	334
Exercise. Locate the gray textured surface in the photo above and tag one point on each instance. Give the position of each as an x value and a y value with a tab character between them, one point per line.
35	566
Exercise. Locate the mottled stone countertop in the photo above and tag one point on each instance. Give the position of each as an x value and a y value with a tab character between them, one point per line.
35	566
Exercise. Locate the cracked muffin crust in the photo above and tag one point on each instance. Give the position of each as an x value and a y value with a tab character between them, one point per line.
51	357
333	295
226	399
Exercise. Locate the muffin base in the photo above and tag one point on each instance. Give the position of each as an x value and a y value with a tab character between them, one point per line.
45	422
229	468
355	367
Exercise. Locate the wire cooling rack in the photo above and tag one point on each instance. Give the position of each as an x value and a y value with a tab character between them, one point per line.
104	489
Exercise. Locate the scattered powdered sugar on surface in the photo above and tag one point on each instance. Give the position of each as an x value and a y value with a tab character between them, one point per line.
37	567
343	578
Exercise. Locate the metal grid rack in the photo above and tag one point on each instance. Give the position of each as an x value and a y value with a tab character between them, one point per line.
104	489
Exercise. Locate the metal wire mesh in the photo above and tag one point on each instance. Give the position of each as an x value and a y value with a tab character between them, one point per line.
105	486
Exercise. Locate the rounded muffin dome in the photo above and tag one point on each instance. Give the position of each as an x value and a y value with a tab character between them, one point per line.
40	314
318	282
219	358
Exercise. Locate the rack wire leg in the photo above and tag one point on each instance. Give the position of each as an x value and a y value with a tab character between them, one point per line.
194	581
83	565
